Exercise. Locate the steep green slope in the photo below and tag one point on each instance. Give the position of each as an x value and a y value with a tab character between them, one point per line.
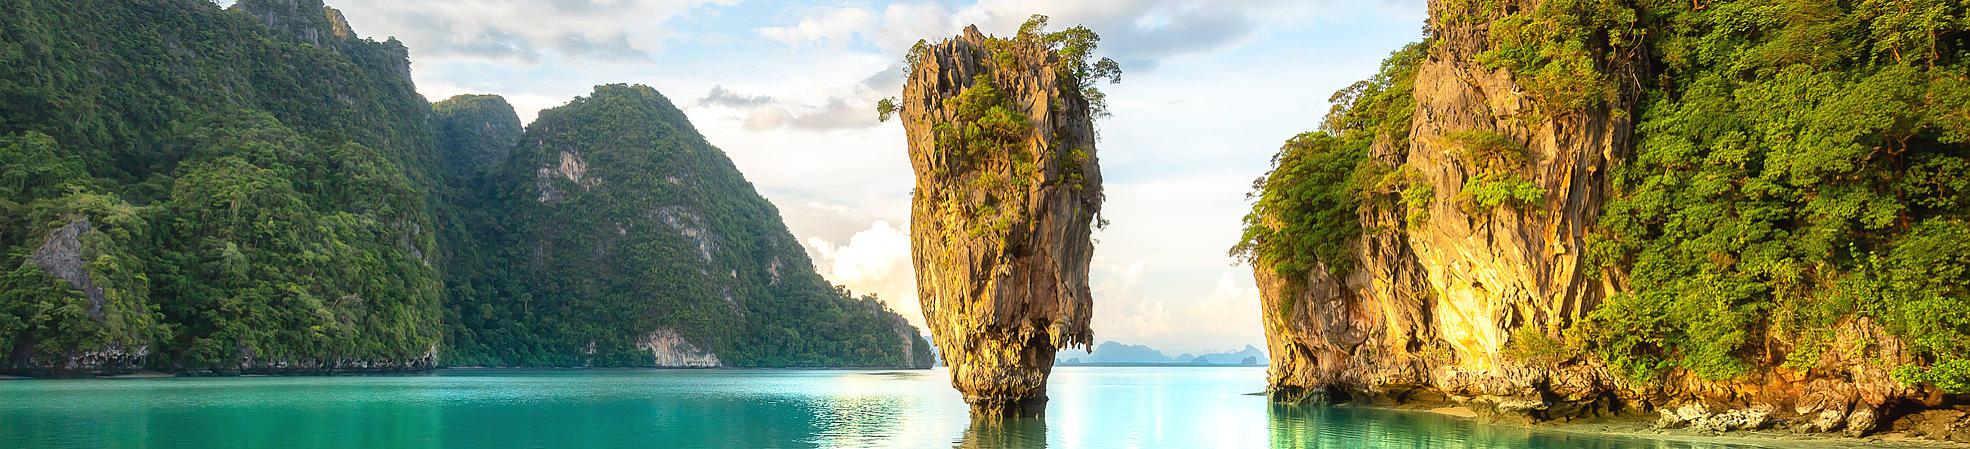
229	196
630	241
475	135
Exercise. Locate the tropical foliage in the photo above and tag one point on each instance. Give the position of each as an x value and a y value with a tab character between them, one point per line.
1305	212
1801	163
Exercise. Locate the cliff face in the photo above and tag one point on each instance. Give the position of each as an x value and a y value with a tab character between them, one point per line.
1461	281
1453	298
1007	189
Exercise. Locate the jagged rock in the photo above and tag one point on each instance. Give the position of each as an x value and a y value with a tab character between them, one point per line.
308	20
1824	421
1862	422
338	26
1000	239
1699	416
1680	417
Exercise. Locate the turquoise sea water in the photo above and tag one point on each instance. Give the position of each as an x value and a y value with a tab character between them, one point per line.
1091	407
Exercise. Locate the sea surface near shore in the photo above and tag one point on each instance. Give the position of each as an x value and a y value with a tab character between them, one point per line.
1091	407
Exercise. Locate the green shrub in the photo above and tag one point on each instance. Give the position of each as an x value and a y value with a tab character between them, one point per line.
1486	192
1306	212
1555	50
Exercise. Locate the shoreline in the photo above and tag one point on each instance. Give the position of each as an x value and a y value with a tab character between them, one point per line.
1638	426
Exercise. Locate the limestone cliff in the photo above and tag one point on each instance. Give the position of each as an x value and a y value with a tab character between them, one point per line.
1445	297
1007	190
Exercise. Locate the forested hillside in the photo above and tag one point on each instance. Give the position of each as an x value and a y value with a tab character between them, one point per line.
624	234
258	189
188	182
1563	207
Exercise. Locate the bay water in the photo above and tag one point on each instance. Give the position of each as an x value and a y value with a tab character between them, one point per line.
1090	407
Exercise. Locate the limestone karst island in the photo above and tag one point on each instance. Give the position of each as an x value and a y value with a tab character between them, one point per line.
984	224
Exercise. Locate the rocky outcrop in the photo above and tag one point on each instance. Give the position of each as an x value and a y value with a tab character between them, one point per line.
60	255
311	22
1436	308
121	341
670	350
308	20
1000	224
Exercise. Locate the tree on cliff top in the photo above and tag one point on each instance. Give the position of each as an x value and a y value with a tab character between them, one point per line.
1074	48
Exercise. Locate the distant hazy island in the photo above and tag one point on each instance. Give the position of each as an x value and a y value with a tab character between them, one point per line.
1111	353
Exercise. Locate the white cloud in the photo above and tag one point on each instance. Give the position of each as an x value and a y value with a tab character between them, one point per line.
1121	310
904	24
828	26
875	260
839	113
523	30
1125	311
852	110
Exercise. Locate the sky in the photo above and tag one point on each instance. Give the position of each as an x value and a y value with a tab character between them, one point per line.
1210	89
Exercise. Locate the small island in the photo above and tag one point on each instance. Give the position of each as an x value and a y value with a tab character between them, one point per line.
1002	141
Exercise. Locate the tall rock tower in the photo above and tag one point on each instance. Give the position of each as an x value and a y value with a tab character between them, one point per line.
1002	140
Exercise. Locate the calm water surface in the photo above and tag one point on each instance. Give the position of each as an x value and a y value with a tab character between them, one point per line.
1091	408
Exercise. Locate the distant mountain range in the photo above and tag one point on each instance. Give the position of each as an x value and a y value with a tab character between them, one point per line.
1113	353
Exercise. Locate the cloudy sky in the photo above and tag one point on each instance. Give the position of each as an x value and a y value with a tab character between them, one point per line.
1210	89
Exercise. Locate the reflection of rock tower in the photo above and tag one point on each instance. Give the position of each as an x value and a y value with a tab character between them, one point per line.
1007	190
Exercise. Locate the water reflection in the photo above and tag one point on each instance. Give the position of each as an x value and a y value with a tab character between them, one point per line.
1318	426
865	421
1024	431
